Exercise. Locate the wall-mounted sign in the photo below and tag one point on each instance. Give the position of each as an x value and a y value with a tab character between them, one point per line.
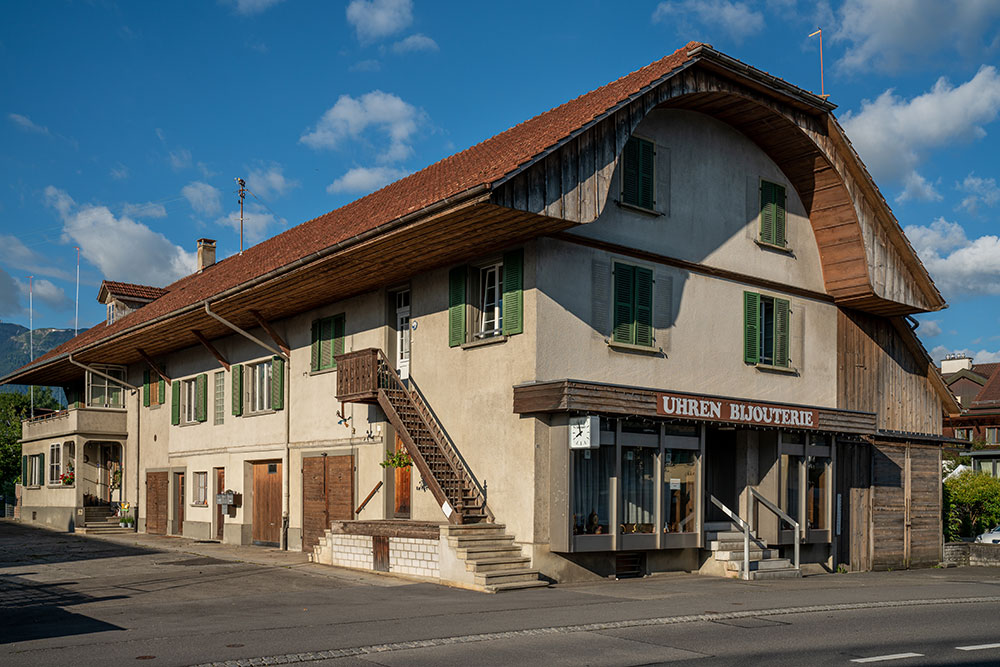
737	412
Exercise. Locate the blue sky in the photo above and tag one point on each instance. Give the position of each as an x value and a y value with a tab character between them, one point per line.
124	125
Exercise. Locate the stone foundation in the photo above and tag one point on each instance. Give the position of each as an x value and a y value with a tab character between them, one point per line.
971	553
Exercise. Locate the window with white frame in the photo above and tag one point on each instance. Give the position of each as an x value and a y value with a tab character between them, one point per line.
55	463
963	434
993	435
189	401
259	387
490	300
219	397
104	392
35	471
200	488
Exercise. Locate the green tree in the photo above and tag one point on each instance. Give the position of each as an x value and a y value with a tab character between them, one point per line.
971	504
15	407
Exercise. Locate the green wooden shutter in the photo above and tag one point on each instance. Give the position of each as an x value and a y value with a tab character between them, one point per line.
42	473
175	403
766	212
145	388
647	195
24	471
339	328
751	327
277	383
326	343
781	310
237	371
623	331
161	396
779	214
201	391
643	307
314	365
456	306
630	172
513	292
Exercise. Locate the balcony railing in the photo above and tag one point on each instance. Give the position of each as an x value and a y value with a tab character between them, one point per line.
357	376
106	422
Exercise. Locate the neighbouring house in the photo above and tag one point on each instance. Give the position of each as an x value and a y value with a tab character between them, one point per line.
604	342
977	388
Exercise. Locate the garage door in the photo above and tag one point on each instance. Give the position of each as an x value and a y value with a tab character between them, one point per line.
327	495
906	506
156	503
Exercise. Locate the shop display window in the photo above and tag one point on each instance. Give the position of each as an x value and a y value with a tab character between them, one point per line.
791	467
638	489
680	475
817	488
592	473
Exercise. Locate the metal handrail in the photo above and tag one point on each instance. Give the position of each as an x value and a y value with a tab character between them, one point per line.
745	567
781	514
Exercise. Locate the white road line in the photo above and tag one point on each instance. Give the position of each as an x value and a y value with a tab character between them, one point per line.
977	647
894	656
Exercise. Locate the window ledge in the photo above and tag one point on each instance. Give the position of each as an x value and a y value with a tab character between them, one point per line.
57	486
631	347
773	246
768	368
199	504
323	371
640	209
258	414
483	342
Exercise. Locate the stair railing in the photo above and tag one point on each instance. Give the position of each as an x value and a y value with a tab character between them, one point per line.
447	447
782	515
745	567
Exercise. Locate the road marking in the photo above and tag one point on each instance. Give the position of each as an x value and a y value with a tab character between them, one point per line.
894	656
977	647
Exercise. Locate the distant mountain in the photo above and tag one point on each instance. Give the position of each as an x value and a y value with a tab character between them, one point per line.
14	351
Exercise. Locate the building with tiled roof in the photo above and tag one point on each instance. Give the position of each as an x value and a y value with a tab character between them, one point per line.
600	337
977	387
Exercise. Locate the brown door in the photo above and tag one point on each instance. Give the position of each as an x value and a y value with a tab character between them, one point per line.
890	527
156	503
327	495
179	485
220	486
267	503
852	504
401	488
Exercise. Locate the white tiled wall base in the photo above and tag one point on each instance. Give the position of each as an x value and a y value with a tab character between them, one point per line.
407	555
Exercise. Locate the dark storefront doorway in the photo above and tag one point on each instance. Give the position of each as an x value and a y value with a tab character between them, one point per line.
720	471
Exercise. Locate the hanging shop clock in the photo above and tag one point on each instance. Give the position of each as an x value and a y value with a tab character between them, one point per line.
584	432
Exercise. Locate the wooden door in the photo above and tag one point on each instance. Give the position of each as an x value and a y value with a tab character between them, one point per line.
924	506
266	530
401	487
220	486
852	506
156	503
327	495
179	486
890	530
380	553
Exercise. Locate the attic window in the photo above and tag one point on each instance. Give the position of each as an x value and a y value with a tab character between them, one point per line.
111	313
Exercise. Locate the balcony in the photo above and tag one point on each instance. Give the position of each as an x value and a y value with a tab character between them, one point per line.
95	422
357	376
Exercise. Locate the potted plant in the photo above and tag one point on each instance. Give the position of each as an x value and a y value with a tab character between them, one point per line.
398	459
67	478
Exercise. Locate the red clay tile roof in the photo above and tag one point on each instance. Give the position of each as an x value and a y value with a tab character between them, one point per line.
482	164
989	396
133	291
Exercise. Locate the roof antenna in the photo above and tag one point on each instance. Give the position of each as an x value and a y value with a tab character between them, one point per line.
822	90
243	193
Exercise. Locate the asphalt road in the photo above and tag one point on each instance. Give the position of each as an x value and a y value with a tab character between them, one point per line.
72	600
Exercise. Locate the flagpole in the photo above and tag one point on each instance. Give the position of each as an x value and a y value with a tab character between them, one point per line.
76	320
31	336
822	87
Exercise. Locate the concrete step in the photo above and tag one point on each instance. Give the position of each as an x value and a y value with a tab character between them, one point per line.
480	553
737	554
109	530
761	565
718	525
476	528
470	541
734	545
728	536
785	573
516	586
506	576
495	564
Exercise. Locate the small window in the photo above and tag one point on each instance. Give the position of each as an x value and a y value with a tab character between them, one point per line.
633	305
638	177
154	389
490	300
55	464
993	435
103	392
486	300
200	488
964	434
772	213
219	398
765	323
259	387
189	389
272	468
33	471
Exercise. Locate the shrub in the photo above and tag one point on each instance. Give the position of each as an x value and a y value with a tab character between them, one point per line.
971	504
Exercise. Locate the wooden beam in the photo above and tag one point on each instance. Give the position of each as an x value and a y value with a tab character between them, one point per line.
211	348
152	364
266	326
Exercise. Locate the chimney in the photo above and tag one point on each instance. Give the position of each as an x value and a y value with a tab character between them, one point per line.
955	362
206	253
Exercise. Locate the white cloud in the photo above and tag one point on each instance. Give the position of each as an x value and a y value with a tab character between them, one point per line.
10	296
119	173
957	264
27	124
893	135
19	256
892	34
418	42
918	189
204	198
256	221
180	158
735	18
48	293
121	248
981	357
981	191
363	180
366	66
375	19
270	182
148	210
350	117
249	7
930	328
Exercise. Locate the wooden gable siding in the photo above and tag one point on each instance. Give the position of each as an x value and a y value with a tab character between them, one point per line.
867	263
877	372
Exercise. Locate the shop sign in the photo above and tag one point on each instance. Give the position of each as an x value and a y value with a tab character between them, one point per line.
738	412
